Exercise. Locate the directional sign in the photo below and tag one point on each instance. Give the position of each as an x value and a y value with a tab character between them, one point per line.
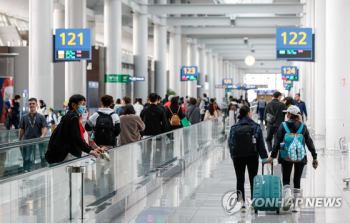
134	78
290	73
189	73
227	81
294	44
72	44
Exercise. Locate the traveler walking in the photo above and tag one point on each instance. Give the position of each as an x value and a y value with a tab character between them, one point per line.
292	136
125	101
233	106
167	105
288	101
154	118
105	124
273	117
138	107
42	109
246	144
12	112
204	105
66	142
261	109
192	112
117	104
174	114
301	105
211	113
131	124
32	125
51	118
59	116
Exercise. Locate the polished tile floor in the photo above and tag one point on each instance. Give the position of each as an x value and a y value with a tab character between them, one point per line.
196	194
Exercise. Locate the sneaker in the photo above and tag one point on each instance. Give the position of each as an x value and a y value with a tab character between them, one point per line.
288	204
252	210
243	211
295	209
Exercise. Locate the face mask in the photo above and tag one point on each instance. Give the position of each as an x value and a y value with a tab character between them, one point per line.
81	109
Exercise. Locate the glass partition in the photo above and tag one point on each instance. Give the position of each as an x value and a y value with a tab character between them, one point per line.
50	195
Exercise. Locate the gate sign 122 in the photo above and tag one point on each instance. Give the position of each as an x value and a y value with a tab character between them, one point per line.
294	44
72	44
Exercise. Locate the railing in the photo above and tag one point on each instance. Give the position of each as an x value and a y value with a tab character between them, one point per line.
134	170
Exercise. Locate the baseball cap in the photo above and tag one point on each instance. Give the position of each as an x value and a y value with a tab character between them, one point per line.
293	110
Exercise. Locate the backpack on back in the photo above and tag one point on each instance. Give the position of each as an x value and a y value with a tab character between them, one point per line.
175	120
243	141
294	149
206	104
104	129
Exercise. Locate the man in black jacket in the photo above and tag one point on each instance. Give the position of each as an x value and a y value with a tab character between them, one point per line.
154	118
274	108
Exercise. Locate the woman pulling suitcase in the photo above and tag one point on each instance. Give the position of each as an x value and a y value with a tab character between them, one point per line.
246	143
291	138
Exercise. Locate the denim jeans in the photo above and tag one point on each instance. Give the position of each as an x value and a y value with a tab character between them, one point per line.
27	153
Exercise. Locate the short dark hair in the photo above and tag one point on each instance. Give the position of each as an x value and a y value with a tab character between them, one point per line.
153	97
17	97
159	98
174	101
298	94
118	101
212	100
289	101
128	110
193	101
127	100
205	95
75	99
277	94
107	100
33	99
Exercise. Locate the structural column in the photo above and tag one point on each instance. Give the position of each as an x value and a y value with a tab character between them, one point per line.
160	48
75	18
192	85
337	33
140	44
210	85
320	67
201	69
175	60
40	51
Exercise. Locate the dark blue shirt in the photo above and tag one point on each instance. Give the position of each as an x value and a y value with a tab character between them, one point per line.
302	107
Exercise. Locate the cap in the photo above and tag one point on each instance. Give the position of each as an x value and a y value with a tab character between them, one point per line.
293	110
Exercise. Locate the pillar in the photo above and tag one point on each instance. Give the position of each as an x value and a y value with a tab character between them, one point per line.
338	33
140	44
92	26
192	85
201	70
75	72
160	48
185	57
58	20
320	67
112	42
40	51
175	60
211	74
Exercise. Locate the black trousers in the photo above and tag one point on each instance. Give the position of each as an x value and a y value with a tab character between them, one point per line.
287	169
271	132
240	163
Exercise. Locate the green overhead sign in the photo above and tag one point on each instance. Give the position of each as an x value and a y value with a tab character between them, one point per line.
117	78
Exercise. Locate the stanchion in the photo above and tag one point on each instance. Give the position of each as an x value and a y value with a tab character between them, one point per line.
81	170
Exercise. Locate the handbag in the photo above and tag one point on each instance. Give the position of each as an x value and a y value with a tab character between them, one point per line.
185	122
272	118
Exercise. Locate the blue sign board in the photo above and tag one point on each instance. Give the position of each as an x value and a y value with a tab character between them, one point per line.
25	91
72	44
137	78
294	44
189	73
290	73
93	100
227	81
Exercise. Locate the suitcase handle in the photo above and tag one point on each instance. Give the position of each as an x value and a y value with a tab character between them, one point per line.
263	168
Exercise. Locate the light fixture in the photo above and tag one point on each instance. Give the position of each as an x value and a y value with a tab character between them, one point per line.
250	60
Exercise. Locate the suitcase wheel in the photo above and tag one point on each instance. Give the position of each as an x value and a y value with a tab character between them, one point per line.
256	211
277	211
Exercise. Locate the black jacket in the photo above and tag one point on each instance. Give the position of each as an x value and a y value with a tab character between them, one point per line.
258	135
275	108
293	126
175	109
72	136
155	120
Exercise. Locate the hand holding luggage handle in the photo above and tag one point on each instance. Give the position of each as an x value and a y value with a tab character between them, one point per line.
263	168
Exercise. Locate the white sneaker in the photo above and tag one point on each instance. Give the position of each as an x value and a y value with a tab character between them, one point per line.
243	211
252	210
287	198
296	195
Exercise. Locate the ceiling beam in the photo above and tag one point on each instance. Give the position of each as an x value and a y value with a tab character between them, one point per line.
226	31
244	52
198	21
210	9
234	41
235	57
240	47
262	71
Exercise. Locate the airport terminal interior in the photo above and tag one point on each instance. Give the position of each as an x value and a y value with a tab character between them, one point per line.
258	88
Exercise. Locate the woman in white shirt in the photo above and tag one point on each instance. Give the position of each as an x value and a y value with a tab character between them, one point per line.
42	108
210	113
138	107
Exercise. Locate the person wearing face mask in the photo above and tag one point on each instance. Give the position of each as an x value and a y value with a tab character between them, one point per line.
246	144
66	142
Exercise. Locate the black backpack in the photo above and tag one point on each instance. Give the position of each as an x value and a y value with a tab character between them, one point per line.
104	130
206	105
243	141
58	149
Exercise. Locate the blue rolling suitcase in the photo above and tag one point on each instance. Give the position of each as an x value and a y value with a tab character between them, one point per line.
267	191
